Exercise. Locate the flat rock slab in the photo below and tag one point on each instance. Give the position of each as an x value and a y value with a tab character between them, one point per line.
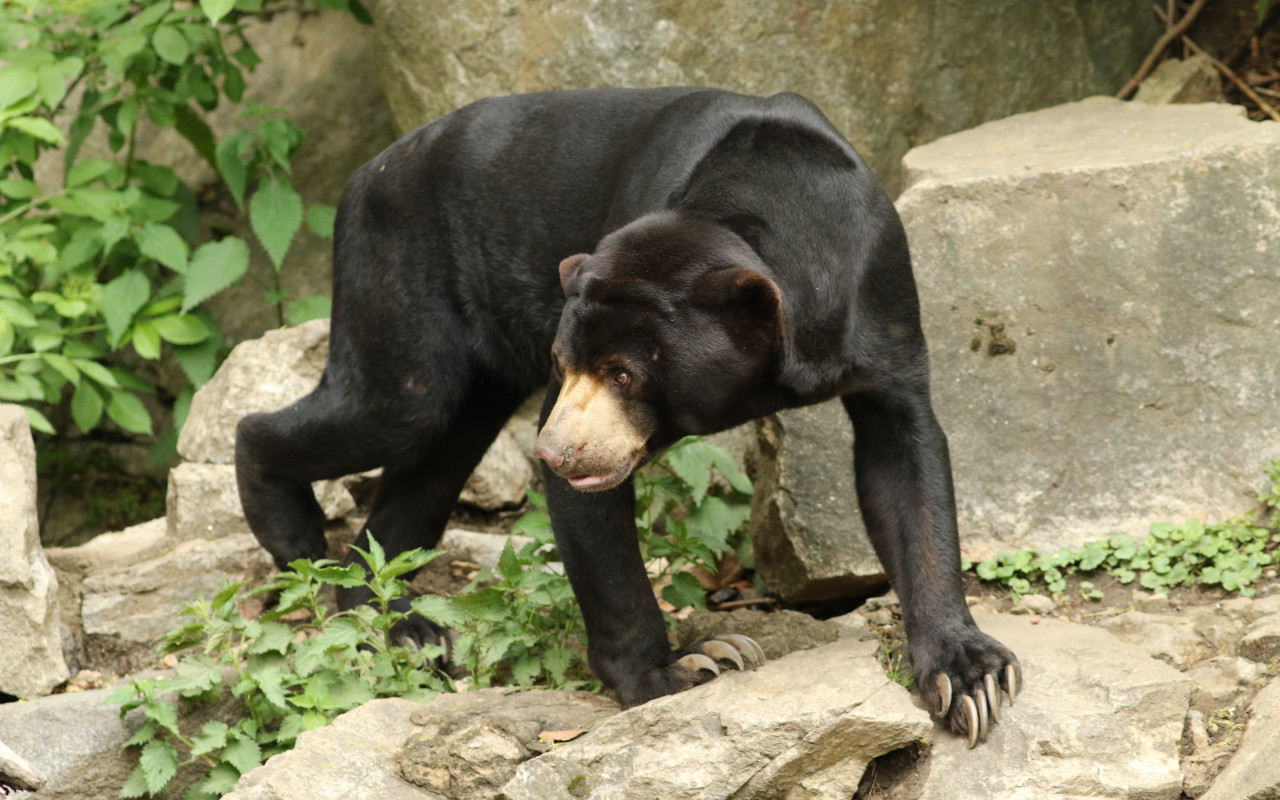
1096	718
1099	289
809	722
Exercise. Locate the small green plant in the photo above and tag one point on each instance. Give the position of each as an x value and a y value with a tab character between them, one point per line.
1231	554
105	253
290	678
517	624
523	626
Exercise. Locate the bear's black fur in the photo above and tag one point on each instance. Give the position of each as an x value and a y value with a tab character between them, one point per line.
742	259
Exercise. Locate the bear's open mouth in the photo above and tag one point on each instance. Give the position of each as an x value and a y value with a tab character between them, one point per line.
601	483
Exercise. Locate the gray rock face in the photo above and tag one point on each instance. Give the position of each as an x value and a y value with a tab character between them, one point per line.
267	374
203	502
17	773
139	602
75	741
1254	772
803	726
356	756
1100	292
861	62
1097	718
1170	639
1261	640
806	528
31	657
468	745
1190	80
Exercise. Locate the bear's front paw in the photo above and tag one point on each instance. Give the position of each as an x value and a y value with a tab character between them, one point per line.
964	675
689	667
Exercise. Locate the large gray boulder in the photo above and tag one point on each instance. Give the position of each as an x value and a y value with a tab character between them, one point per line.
888	73
31	660
1099	291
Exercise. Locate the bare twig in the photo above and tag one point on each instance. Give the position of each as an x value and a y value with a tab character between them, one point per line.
1231	76
755	601
1171	33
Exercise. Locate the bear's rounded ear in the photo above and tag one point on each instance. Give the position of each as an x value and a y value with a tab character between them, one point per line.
749	301
569	273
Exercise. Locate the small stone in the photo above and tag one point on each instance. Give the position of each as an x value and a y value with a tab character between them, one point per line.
1150	602
1034	604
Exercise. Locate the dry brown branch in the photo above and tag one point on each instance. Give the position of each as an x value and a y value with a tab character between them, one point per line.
1171	32
1229	75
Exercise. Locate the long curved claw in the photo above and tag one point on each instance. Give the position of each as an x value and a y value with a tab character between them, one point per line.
993	697
984	721
971	716
1011	682
943	680
696	661
723	651
747	646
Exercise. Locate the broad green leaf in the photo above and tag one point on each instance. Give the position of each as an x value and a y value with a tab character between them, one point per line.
230	163
38	421
275	212
214	266
16	82
163	244
181	328
170	44
94	370
308	308
52	81
88	170
216	9
320	219
439	609
63	366
692	462
19	188
121	300
159	762
213	736
6	336
136	785
17	313
146	340
275	637
38	127
127	411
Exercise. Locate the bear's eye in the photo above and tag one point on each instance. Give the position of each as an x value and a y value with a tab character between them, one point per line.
622	378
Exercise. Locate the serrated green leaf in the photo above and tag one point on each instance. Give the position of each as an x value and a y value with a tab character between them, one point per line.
122	298
136	785
231	165
243	753
198	361
181	328
159	762
441	610
214	266
163	243
275	637
692	462
275	213
212	736
127	411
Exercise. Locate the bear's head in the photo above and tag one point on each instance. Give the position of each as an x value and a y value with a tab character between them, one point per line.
672	327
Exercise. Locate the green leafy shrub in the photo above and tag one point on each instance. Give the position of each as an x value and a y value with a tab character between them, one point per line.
523	626
290	677
110	257
1231	555
301	664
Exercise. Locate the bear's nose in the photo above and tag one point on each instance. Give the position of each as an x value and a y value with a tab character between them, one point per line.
554	458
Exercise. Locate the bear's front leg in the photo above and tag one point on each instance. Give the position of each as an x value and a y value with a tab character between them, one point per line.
627	645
